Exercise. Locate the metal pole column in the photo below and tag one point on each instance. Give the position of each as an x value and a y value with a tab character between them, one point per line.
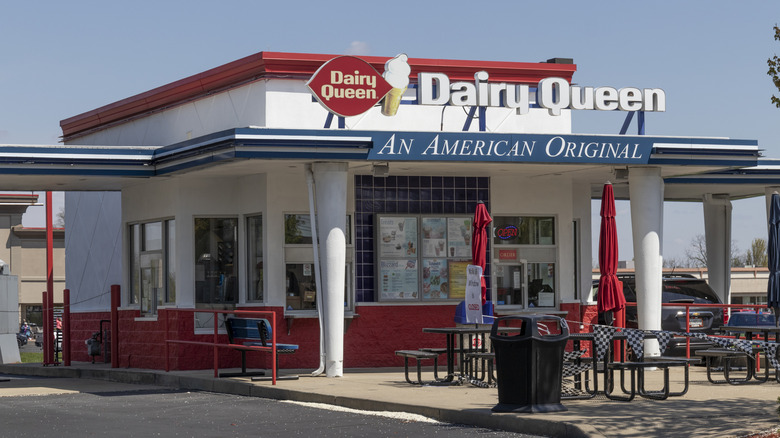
115	300
66	328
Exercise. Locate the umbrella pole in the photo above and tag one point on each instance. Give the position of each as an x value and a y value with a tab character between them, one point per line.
776	311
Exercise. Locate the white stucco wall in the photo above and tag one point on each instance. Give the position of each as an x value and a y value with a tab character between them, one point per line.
93	248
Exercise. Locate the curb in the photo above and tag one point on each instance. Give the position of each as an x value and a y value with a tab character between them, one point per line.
473	417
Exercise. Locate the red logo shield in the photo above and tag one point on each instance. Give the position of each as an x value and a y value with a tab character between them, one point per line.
348	86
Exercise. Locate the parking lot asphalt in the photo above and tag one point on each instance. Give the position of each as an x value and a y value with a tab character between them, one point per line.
707	409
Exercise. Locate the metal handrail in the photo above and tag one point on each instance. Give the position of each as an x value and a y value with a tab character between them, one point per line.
215	342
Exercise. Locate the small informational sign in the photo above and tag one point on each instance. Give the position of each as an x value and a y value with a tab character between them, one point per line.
507	254
458	271
473	294
546	299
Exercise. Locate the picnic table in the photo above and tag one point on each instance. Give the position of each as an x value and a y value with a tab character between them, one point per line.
603	348
460	342
750	332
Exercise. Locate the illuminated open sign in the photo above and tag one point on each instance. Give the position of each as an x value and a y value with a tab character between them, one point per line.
507	232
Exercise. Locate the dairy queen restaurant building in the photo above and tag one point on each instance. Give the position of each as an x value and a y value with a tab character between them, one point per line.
235	187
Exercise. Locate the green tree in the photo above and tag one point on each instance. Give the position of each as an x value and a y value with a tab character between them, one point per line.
756	255
774	69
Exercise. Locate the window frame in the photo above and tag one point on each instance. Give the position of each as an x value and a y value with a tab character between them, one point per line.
164	256
236	274
531	255
255	263
303	253
435	255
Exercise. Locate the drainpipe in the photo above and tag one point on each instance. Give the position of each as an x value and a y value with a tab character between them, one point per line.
317	278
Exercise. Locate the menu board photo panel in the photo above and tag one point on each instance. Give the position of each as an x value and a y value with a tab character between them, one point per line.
397	236
398	279
459	237
435	279
434	234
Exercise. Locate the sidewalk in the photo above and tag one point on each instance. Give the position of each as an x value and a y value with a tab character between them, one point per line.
707	410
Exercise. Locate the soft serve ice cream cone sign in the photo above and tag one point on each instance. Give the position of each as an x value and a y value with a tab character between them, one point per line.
348	86
396	74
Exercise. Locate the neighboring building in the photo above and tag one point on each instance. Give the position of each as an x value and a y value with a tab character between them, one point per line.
25	254
748	285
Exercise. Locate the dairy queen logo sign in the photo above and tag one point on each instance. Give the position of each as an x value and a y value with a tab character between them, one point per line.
348	86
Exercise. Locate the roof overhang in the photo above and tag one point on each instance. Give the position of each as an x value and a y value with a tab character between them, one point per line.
690	166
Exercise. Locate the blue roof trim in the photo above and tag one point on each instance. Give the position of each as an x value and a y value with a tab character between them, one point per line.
81	171
140	152
292	154
694	161
336	144
698	151
715	180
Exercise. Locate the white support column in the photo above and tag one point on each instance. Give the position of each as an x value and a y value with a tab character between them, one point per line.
584	258
646	190
769	191
717	237
331	193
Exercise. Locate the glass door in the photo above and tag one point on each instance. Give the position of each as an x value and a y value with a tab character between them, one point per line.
510	284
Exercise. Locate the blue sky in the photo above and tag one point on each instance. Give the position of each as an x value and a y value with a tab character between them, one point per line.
59	59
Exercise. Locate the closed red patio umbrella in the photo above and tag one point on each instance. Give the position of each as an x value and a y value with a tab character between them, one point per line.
479	244
610	294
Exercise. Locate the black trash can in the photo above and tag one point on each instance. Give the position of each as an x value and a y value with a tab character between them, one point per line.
529	365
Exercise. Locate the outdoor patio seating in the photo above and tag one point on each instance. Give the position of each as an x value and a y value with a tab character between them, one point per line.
574	367
419	356
254	333
637	367
722	358
602	339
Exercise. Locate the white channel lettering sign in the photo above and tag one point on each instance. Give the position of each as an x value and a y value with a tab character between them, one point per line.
553	94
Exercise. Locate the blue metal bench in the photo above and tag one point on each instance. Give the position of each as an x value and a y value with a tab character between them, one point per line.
253	333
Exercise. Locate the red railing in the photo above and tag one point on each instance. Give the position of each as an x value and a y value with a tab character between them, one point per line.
216	345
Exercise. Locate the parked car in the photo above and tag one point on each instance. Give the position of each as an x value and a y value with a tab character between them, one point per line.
680	289
750	318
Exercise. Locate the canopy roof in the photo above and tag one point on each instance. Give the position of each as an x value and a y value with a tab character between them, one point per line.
690	166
